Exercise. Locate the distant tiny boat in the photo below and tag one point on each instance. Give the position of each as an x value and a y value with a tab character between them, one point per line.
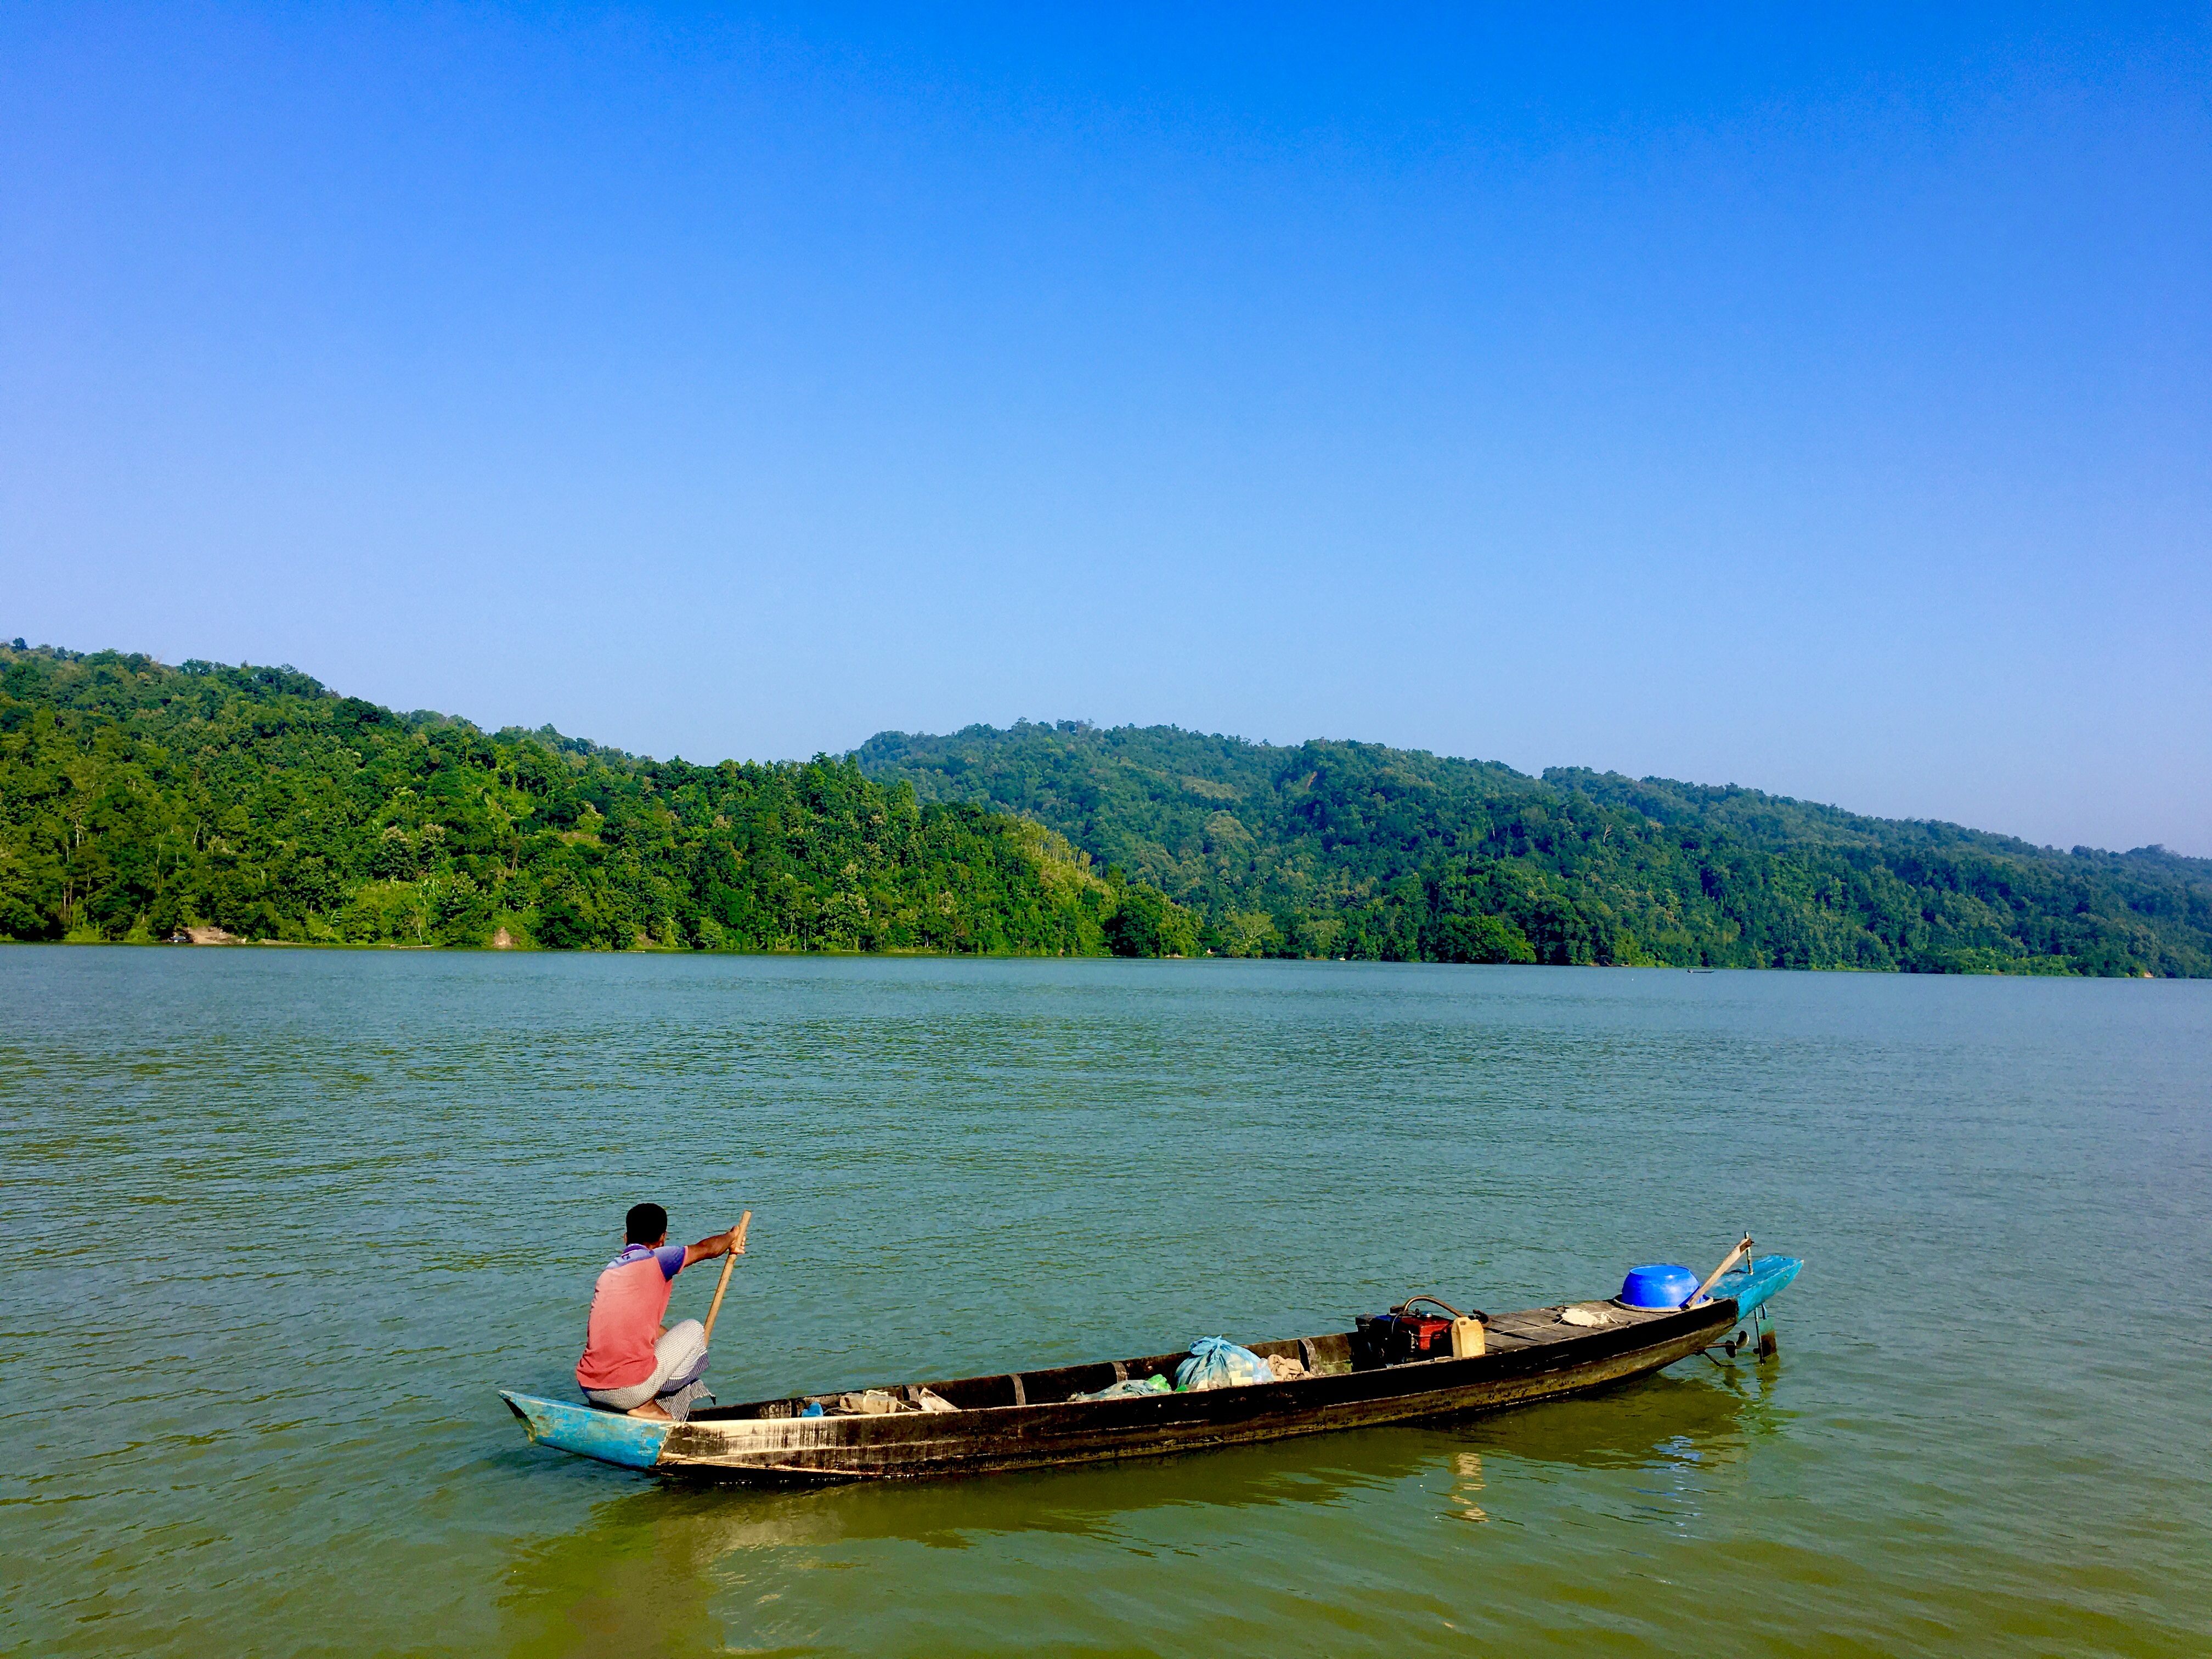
1029	1420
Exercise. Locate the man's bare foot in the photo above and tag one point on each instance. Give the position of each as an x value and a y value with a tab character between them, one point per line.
653	1410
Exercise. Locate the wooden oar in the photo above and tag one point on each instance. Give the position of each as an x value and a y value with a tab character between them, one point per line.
1704	1290
729	1261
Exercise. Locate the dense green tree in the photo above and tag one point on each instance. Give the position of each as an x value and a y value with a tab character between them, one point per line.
1145	923
136	799
1356	850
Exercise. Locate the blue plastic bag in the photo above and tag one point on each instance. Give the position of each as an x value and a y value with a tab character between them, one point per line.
1215	1362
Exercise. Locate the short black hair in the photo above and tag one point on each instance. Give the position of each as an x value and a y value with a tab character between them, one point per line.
645	1223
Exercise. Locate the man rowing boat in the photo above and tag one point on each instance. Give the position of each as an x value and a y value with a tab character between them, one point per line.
632	1362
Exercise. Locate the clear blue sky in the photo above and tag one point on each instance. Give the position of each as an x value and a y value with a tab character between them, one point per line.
1820	405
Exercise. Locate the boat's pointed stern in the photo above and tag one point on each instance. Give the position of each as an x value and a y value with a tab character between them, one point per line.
1758	1285
633	1442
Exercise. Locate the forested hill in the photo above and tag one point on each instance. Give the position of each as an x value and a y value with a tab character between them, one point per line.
1353	850
137	799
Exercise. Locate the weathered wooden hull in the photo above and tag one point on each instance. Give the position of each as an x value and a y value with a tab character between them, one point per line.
1033	1437
1535	1355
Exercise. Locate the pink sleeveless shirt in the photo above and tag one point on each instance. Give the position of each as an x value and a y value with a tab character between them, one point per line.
627	1305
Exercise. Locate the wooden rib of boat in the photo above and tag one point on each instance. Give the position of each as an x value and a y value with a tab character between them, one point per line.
1029	1420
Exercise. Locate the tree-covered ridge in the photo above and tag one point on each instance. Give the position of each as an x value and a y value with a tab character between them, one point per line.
1331	848
136	799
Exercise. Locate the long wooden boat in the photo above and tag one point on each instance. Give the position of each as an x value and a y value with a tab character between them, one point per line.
1029	1420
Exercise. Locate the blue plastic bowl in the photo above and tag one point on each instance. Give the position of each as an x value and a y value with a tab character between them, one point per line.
1658	1287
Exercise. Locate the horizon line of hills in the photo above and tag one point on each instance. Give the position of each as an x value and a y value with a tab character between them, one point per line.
138	800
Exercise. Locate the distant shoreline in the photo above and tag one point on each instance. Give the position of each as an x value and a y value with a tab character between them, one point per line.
256	803
1034	956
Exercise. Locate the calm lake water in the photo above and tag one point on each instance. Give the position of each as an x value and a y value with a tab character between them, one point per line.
278	1223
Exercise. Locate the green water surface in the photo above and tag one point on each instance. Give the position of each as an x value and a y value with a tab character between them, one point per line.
279	1223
